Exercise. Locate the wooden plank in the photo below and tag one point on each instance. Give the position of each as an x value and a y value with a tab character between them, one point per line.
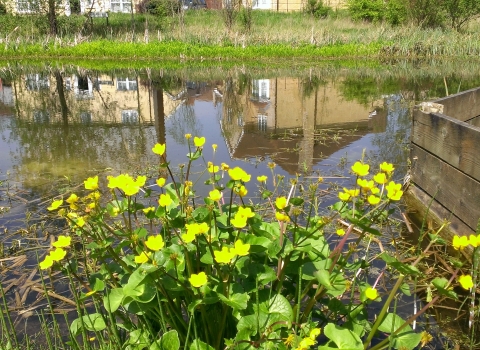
418	203
457	192
453	141
462	106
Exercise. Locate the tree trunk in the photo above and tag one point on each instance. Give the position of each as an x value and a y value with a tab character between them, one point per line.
52	17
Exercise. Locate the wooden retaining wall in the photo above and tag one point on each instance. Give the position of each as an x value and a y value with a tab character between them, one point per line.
445	156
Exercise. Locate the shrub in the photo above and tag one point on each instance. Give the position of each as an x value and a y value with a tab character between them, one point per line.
317	9
366	10
396	12
161	8
426	13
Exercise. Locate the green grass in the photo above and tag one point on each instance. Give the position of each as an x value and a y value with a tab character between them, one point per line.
202	34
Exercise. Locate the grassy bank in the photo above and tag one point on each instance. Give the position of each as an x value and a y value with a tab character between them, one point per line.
202	35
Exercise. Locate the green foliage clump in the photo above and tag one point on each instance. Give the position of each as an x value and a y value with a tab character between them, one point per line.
317	9
366	10
396	12
460	12
426	13
3	9
161	8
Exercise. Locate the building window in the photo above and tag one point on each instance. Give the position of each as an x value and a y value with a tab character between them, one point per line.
126	84
121	5
262	122
261	90
37	82
129	116
27	6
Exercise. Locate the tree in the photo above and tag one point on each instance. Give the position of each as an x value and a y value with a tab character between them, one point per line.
460	12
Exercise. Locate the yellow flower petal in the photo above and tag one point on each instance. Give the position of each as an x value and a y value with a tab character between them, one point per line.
155	243
46	263
159	149
371	293
215	195
142	258
281	202
55	204
198	280
360	169
62	241
91	183
198	141
466	281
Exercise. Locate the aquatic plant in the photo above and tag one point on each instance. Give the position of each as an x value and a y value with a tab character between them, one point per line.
167	270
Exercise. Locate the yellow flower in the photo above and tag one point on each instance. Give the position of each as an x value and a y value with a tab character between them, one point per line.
224	166
281	217
474	241
245	212
188	237
142	258
238	173
224	256
371	293
380	178
199	141
58	254
159	149
262	178
314	333
366	185
198	280
240	248
63	241
215	195
72	200
91	183
161	182
214	146
387	167
460	242
393	187
353	192
305	343
212	168
46	263
239	221
281	202
373	200
80	222
340	232
148	210
465	281
271	165
202	228
426	338
155	242
360	169
289	340
55	204
240	190
344	197
188	136
165	200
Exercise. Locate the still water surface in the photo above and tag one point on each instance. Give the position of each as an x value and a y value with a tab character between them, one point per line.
59	126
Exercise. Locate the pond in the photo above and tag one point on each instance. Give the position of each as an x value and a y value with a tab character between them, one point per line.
60	124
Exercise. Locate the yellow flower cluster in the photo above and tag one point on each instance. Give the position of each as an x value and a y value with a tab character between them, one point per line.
238	174
225	255
126	183
368	188
194	230
309	341
58	254
241	217
461	242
